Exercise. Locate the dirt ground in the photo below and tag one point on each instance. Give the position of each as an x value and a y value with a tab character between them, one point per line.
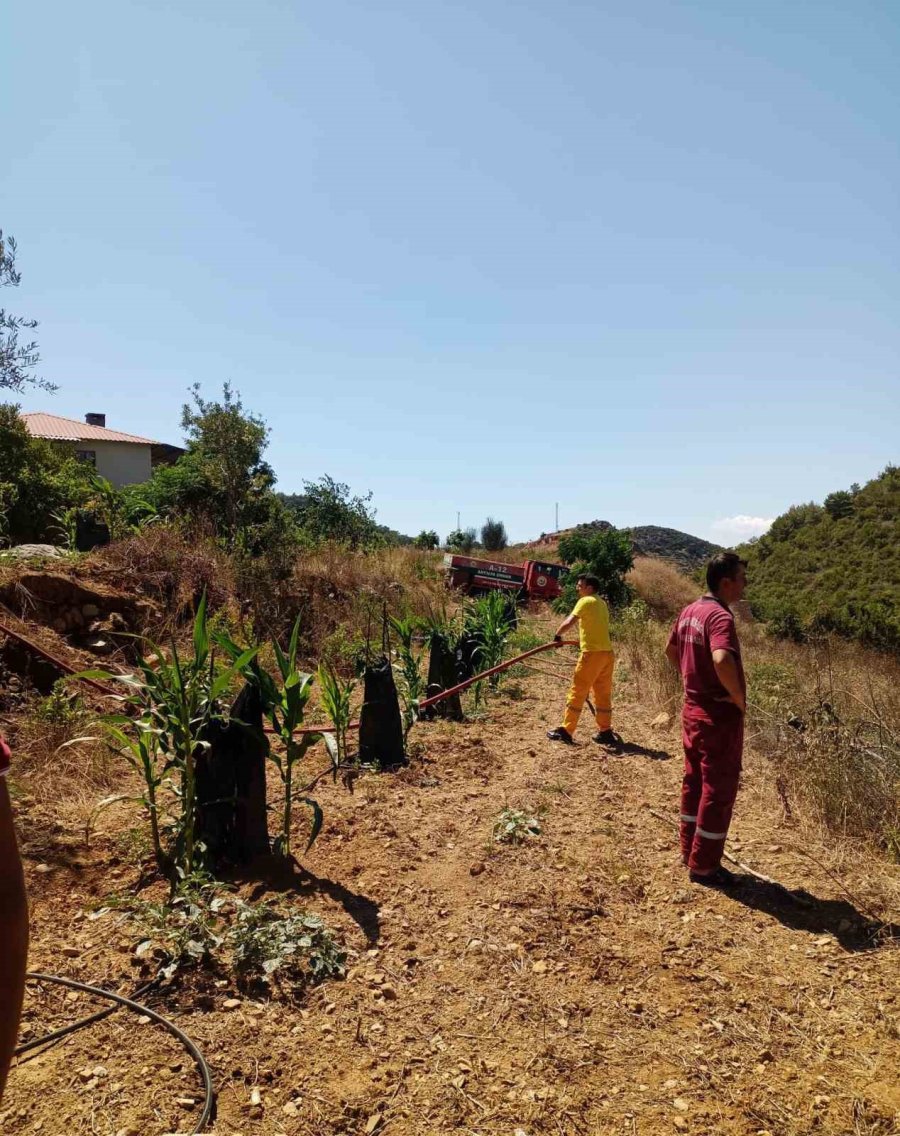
573	984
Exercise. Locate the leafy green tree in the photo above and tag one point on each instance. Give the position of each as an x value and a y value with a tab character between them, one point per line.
462	540
225	447
427	539
38	482
606	554
16	359
838	505
493	535
327	510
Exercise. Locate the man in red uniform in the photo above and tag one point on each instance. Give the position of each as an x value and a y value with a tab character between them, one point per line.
704	647
13	926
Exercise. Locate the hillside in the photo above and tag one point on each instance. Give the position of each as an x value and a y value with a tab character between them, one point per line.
688	552
833	566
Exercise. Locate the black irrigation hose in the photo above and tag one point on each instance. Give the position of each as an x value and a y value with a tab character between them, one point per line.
199	1059
72	1027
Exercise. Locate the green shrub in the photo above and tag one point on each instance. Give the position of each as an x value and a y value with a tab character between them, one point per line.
606	554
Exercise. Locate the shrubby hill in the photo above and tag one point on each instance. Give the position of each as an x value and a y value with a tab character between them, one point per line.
833	566
688	552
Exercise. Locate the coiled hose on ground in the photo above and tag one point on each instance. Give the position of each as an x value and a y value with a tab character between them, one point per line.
199	1060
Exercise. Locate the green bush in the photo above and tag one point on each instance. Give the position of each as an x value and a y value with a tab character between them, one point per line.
38	483
606	554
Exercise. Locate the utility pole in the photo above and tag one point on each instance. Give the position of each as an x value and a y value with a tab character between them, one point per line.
557	517
457	520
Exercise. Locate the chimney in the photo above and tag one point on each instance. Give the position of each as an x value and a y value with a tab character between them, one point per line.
95	419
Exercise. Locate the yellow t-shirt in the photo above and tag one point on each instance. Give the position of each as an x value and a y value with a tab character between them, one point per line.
593	623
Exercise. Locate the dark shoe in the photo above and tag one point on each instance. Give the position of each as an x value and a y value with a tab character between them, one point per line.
720	878
608	738
560	735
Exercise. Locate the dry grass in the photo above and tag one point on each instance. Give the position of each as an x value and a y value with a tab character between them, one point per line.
339	596
662	587
58	774
171	566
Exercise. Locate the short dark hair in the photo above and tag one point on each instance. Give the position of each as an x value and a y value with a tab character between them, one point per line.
590	580
723	566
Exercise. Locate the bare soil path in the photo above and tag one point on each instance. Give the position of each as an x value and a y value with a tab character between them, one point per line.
573	984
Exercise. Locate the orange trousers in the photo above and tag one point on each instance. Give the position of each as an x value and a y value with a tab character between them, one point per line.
593	675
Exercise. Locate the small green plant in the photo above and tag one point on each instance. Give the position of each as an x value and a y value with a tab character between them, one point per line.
490	620
289	951
187	928
336	696
65	527
60	710
285	706
514	826
411	683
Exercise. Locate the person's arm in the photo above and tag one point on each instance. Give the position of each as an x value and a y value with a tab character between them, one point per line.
14	921
729	676
672	652
565	625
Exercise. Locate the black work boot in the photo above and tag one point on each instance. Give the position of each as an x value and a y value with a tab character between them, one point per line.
560	735
608	738
720	878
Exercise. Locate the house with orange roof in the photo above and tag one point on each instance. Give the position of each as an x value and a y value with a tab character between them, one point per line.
123	459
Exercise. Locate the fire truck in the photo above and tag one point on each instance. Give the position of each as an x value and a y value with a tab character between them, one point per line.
532	580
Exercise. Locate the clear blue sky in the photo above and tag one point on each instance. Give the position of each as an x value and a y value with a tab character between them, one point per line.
639	258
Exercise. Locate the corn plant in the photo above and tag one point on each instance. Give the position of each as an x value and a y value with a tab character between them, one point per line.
490	619
168	706
411	684
284	704
336	694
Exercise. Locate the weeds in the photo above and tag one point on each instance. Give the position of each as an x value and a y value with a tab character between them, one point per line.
515	826
287	951
186	929
200	927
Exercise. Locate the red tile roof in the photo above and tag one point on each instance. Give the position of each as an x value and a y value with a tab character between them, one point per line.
56	429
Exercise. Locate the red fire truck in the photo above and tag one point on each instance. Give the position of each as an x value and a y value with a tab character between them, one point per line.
532	580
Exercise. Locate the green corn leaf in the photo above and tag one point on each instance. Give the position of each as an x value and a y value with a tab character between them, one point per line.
224	680
294	643
318	818
201	635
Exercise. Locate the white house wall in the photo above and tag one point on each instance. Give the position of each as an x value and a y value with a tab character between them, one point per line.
122	463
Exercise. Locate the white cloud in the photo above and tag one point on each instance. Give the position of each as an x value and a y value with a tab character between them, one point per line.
733	530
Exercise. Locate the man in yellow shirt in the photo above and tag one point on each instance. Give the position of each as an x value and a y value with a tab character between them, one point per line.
594	669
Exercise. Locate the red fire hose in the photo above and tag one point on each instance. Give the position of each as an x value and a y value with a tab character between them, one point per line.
552	645
425	703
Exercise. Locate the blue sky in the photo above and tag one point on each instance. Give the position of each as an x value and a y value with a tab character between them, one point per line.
641	259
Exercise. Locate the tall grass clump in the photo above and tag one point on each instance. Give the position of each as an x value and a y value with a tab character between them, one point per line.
639	643
828	714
